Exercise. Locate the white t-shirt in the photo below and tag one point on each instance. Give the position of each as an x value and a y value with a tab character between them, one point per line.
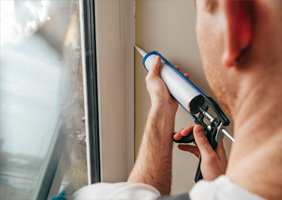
220	189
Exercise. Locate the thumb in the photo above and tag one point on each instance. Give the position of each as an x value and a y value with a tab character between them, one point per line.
155	67
202	141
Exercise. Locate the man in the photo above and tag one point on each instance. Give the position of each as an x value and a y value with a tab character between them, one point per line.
241	44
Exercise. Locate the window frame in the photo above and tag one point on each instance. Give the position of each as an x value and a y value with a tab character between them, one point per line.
115	37
90	90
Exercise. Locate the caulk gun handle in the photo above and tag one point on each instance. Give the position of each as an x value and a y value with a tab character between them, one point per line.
186	139
198	175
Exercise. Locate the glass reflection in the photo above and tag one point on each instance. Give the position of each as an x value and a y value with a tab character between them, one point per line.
41	95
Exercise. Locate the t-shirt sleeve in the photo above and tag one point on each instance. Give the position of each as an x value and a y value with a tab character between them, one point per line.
117	191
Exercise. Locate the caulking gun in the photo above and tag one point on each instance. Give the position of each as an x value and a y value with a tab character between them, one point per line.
193	100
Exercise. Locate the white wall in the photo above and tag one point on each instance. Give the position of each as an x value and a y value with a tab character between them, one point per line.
168	26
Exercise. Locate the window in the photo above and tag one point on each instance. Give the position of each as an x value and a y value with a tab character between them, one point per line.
43	134
63	101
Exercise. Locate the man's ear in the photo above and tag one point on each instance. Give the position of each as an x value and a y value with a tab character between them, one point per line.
238	30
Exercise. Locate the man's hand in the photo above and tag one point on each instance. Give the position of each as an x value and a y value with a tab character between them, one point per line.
159	94
214	163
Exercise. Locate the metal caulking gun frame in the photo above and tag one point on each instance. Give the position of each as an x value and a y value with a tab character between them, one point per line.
198	107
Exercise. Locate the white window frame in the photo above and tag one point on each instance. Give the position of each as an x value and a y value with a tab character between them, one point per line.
115	39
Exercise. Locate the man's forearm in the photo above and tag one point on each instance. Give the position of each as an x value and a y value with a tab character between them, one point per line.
153	165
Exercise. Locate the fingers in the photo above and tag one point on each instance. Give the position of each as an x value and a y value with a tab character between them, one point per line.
155	67
186	75
202	142
221	152
191	149
177	67
186	131
178	136
183	132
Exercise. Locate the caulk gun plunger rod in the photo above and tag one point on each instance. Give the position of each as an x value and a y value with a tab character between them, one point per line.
211	118
227	134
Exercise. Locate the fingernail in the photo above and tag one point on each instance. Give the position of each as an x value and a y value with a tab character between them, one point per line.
199	130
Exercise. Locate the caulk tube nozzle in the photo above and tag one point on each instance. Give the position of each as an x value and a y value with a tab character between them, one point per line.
142	52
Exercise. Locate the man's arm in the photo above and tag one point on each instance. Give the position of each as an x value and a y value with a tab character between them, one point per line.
153	165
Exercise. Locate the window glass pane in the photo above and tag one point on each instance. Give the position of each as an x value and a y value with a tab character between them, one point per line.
42	130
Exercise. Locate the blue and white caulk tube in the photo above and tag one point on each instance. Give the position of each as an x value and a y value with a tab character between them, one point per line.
181	88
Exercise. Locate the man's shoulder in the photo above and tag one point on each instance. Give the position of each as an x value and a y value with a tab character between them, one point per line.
220	189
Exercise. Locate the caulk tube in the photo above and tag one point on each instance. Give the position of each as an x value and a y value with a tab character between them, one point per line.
181	88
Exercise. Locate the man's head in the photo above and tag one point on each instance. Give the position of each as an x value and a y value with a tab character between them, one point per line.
240	43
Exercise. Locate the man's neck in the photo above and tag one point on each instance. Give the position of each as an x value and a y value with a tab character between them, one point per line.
255	160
